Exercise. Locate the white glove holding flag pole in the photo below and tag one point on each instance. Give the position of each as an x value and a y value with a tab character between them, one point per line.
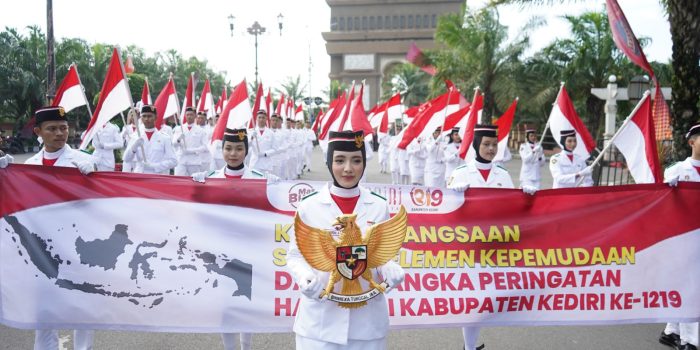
673	182
200	177
459	187
529	189
5	160
586	171
393	274
310	286
85	167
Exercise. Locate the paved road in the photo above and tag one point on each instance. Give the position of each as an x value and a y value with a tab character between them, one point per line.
633	337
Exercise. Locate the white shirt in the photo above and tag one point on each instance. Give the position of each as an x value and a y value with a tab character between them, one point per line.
195	142
66	156
564	170
160	155
685	171
105	141
532	162
469	174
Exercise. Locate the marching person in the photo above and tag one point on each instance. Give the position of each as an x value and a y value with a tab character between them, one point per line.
451	153
106	140
216	161
684	336
204	156
416	161
128	134
394	155
189	141
234	149
309	138
52	126
532	157
160	156
319	323
568	168
434	164
481	172
264	148
383	156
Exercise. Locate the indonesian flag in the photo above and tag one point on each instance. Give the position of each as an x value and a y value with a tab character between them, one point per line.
114	98
393	109
339	125
417	57
374	115
268	102
504	124
636	140
432	117
290	108
466	151
189	98
146	94
383	127
256	106
317	121
331	116
222	101
166	103
358	117
70	93
129	66
457	120
299	114
236	114
564	117
206	101
278	109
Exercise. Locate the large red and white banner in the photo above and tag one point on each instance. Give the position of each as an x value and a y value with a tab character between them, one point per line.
105	251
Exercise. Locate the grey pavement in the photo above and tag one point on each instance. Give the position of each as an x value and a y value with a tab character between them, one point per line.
622	337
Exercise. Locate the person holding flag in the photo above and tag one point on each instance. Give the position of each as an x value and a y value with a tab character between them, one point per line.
568	167
320	323
263	149
189	141
684	336
107	139
160	156
51	125
416	160
434	164
532	157
204	156
451	153
383	152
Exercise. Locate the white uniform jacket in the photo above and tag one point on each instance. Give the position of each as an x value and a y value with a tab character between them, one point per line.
384	140
195	139
685	171
416	159
262	148
324	320
66	159
564	170
159	154
532	162
451	158
468	174
105	141
248	173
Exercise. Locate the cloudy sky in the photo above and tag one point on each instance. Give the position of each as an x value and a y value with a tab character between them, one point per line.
201	28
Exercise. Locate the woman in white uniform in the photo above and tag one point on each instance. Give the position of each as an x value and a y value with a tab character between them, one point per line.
532	157
568	168
451	153
321	324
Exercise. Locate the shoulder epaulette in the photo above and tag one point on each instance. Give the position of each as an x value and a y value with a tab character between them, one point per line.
258	173
211	173
309	195
378	195
556	155
461	166
498	166
85	151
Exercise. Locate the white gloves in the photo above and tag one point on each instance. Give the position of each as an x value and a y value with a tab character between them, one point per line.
459	187
138	142
673	182
85	167
310	286
393	274
529	189
537	149
585	172
5	161
200	177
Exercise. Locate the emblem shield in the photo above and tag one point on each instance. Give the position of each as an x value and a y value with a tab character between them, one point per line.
351	261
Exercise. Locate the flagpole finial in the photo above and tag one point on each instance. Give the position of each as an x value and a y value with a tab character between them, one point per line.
561	84
477	88
170	75
517	98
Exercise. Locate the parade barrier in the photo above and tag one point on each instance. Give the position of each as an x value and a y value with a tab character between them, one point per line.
160	253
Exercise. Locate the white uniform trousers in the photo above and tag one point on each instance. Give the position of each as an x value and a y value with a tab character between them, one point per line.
471	337
434	179
303	343
687	331
229	340
45	339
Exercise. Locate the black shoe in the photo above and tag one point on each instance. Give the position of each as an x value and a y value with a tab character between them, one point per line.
672	340
686	347
482	347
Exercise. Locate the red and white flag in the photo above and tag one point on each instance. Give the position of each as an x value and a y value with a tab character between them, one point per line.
299	114
236	114
317	121
339	124
466	151
256	105
114	98
358	117
189	98
394	109
457	120
375	115
268	102
564	117
504	124
222	101
167	103
332	114
279	109
433	117
636	140
146	94
206	101
70	94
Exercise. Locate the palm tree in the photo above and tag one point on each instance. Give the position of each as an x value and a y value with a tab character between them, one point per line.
410	81
293	88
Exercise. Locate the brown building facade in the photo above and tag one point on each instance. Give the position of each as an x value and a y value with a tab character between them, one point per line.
369	37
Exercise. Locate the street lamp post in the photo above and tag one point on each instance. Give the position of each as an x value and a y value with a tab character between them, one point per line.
255	30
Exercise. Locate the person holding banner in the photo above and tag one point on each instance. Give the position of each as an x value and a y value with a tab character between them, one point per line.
416	161
434	164
320	323
451	153
264	148
129	133
532	157
204	156
568	168
155	144
684	336
51	125
106	140
189	141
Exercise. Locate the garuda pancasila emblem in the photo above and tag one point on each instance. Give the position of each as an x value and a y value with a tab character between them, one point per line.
353	256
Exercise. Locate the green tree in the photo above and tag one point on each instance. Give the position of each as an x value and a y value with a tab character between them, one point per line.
335	89
410	81
292	87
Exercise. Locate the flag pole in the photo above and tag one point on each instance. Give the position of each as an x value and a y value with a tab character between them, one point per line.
255	117
177	117
444	117
87	103
622	127
131	103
